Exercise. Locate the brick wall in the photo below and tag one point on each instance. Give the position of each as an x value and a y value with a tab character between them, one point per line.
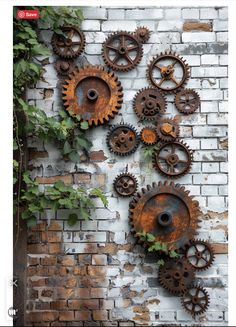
93	274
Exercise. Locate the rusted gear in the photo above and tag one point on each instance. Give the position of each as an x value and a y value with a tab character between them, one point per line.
200	254
167	129
166	211
187	101
65	67
122	51
195	300
142	34
163	72
173	159
125	184
149	103
176	275
148	135
93	93
70	44
122	139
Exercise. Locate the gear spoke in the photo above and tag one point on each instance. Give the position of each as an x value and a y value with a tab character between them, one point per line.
125	184
187	101
199	303
199	255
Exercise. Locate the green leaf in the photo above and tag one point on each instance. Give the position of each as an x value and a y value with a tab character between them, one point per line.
36	68
74	156
84	125
173	254
160	262
66	148
72	219
32	221
40	50
84	213
150	237
27	179
33	208
15	146
63	114
82	143
97	192
20	46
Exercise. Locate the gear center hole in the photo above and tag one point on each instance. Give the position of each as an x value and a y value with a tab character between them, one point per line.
92	95
164	219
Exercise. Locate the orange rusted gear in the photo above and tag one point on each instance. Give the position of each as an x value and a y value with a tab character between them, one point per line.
195	300
167	211
94	93
162	72
148	135
187	101
142	33
167	129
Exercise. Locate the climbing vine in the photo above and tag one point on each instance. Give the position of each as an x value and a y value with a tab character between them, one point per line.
67	133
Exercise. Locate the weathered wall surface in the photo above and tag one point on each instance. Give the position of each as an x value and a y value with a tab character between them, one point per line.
93	274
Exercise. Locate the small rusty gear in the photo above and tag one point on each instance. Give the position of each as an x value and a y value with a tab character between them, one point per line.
94	93
187	101
125	184
148	135
168	72
200	254
70	44
176	275
173	159
167	129
65	67
122	51
195	300
122	139
149	103
167	211
142	34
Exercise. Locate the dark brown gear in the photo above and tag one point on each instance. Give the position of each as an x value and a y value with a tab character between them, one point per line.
122	51
70	44
167	129
149	103
195	300
162	72
94	93
125	184
122	139
142	34
176	275
200	254
173	159
148	135
65	67
187	101
167	211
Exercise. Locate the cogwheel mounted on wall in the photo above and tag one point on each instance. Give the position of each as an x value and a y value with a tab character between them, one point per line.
173	159
64	67
70	44
149	103
200	254
94	93
122	139
168	72
167	129
142	34
125	184
122	51
148	135
195	300
167	211
187	101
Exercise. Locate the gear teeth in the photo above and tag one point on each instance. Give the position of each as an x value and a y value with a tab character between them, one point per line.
195	102
188	295
167	137
148	135
207	248
142	34
125	191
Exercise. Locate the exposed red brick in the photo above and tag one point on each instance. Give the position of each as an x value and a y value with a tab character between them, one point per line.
59	305
63	293
82	293
39	227
100	315
81	271
100	179
37	248
49	261
83	304
33	261
82	178
85	259
110	248
66	316
47	293
220	248
97	156
67	179
97	293
54	226
39	282
70	282
42	306
54	248
68	260
51	237
197	26
83	315
35	154
99	259
96	271
42	316
33	294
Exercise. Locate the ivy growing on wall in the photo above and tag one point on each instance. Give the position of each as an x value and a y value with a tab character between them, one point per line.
67	133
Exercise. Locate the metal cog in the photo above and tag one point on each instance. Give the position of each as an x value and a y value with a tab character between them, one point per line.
125	184
173	159
195	300
122	139
176	275
167	129
167	211
70	44
148	135
94	93
122	51
187	101
200	254
149	103
142	34
164	77
65	67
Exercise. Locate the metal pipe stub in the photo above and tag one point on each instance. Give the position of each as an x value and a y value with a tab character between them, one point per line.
164	219
92	95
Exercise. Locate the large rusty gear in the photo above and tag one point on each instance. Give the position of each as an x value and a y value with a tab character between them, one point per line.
195	300
149	104
148	135
65	67
70	44
187	101
122	51
93	93
173	159
167	211
162	72
176	275
167	129
125	184
199	254
122	139
142	33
